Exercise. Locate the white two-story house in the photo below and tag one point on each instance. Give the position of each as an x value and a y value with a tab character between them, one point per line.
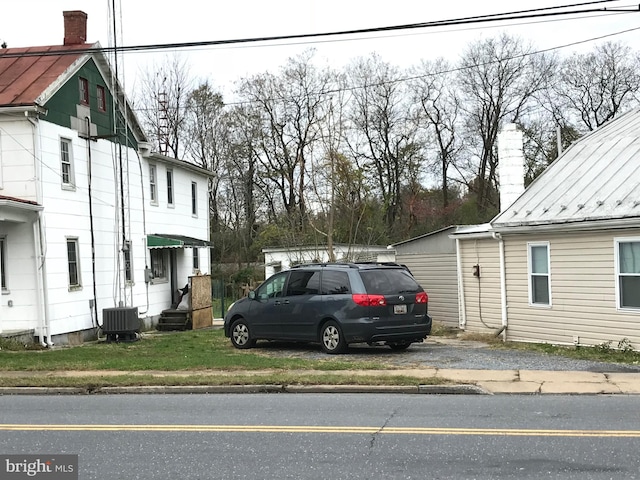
90	218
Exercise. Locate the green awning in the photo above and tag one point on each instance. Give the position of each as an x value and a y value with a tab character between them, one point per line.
175	241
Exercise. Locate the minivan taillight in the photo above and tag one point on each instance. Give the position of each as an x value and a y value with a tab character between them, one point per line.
422	297
365	300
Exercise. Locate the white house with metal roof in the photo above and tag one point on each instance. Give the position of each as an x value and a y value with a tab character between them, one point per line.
561	264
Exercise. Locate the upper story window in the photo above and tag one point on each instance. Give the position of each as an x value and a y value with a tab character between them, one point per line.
102	98
3	273
628	273
84	91
66	163
153	184
170	187
539	276
73	263
194	199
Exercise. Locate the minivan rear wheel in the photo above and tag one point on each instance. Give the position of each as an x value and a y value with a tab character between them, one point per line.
331	338
399	345
241	335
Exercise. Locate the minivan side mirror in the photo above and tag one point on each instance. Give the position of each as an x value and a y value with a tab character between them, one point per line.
252	294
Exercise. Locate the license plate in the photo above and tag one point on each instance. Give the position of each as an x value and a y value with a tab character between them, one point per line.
399	309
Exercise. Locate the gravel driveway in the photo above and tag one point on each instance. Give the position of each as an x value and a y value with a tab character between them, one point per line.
442	352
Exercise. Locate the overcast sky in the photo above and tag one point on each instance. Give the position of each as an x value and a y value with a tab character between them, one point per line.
146	22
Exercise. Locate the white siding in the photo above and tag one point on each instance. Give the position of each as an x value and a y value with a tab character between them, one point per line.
437	275
66	214
481	294
21	279
582	292
17	160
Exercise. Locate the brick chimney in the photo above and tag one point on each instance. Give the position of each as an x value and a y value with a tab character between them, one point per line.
75	27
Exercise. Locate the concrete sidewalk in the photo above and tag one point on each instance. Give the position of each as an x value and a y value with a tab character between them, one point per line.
527	382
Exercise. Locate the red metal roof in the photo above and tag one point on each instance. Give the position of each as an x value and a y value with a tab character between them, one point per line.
18	200
25	73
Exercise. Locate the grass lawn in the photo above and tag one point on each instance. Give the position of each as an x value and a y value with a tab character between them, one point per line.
206	357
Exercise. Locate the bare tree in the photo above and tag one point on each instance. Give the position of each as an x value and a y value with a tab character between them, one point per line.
206	139
289	105
161	104
385	138
594	87
434	91
498	77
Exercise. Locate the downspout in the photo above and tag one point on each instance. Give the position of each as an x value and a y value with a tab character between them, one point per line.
462	321
42	297
503	287
45	284
38	260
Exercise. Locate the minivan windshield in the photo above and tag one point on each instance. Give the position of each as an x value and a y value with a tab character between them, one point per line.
389	282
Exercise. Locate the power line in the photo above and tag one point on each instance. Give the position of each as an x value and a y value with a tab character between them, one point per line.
547	12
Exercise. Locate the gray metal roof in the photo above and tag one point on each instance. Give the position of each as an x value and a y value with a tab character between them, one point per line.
597	178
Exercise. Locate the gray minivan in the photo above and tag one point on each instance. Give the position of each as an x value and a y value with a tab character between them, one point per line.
333	304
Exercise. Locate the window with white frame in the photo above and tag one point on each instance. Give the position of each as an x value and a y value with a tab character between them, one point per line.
66	163
153	184
196	258
194	199
127	255
628	272
159	264
539	276
3	263
73	262
169	187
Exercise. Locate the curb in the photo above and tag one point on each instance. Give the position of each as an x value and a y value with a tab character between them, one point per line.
212	389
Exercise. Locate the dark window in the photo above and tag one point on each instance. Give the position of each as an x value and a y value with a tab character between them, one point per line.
170	187
304	283
84	91
196	259
3	275
389	282
334	283
72	261
194	198
102	100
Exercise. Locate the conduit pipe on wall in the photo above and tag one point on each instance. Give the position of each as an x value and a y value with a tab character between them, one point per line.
503	286
462	321
42	294
42	279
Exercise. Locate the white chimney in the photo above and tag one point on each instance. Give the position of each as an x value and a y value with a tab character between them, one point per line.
510	165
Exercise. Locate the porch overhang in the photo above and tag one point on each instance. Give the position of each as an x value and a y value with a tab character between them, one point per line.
175	241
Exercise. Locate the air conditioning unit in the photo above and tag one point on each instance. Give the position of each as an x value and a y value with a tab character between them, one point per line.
121	323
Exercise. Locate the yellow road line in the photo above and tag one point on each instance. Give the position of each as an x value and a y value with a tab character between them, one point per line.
324	429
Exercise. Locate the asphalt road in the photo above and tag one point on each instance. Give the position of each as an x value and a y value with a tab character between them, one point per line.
450	353
336	436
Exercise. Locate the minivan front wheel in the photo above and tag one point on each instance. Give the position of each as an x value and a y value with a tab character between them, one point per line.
331	338
241	335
